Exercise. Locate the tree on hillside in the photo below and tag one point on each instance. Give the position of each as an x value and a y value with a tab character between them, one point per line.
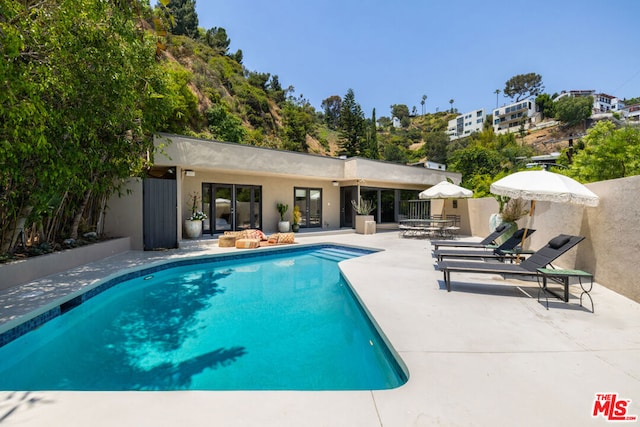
394	153
573	110
258	80
275	90
331	107
223	125
372	150
351	126
435	146
523	86
608	153
451	101
483	159
422	102
217	39
400	111
185	17
546	105
298	122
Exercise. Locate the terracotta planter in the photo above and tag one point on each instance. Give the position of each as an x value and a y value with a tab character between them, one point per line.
192	228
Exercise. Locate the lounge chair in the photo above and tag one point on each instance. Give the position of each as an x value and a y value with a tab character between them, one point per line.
502	252
483	244
540	259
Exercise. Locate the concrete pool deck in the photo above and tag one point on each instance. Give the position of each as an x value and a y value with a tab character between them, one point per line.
486	354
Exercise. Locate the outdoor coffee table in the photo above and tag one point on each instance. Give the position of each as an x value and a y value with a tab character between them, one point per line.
563	276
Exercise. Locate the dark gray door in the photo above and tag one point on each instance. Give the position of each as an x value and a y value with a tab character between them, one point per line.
160	213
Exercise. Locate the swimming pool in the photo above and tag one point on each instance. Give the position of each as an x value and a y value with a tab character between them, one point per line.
277	320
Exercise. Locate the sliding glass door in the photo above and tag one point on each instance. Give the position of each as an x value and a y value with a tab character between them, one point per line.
231	207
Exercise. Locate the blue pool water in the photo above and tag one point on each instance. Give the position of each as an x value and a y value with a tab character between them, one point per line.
280	321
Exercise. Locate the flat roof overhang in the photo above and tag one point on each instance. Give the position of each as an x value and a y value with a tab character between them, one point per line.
206	155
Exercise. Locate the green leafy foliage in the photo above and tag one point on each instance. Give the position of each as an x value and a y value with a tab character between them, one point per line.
185	17
573	110
523	86
217	39
484	160
79	76
546	105
608	153
223	125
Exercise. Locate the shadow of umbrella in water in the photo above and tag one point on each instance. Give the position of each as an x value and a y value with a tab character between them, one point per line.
544	186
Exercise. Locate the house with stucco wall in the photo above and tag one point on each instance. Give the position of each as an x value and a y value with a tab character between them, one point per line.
238	187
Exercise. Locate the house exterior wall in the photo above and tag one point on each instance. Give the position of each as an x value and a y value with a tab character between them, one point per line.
274	190
509	117
124	214
466	124
197	161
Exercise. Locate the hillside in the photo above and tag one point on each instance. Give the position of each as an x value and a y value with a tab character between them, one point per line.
225	101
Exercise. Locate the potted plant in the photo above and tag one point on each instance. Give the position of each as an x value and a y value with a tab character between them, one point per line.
363	209
511	210
283	226
193	225
296	216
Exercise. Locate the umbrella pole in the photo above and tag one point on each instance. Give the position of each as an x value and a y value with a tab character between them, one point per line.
526	228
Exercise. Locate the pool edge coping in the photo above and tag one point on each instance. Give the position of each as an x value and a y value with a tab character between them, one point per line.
23	324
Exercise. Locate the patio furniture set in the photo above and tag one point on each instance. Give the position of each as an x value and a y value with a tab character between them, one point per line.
434	226
487	258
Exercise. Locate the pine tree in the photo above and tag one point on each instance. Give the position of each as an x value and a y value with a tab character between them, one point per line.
351	126
372	138
186	18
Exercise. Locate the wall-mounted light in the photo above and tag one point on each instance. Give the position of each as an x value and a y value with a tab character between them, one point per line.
189	172
335	183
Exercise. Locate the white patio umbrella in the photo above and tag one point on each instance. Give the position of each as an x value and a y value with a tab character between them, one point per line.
445	190
543	185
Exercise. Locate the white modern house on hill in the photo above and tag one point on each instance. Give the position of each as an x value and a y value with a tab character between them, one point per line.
510	118
466	124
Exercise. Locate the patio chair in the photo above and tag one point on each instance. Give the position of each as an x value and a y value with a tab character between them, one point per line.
452	230
540	259
483	244
502	252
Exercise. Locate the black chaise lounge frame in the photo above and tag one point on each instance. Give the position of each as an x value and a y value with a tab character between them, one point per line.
540	259
502	252
484	243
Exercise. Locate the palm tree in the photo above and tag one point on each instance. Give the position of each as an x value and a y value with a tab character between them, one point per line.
424	99
451	102
497	92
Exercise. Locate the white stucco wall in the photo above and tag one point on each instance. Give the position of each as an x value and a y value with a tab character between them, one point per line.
274	190
124	214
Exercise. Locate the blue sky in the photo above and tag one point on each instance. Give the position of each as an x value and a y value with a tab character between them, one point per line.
395	52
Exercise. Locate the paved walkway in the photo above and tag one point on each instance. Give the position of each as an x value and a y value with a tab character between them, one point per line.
486	354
